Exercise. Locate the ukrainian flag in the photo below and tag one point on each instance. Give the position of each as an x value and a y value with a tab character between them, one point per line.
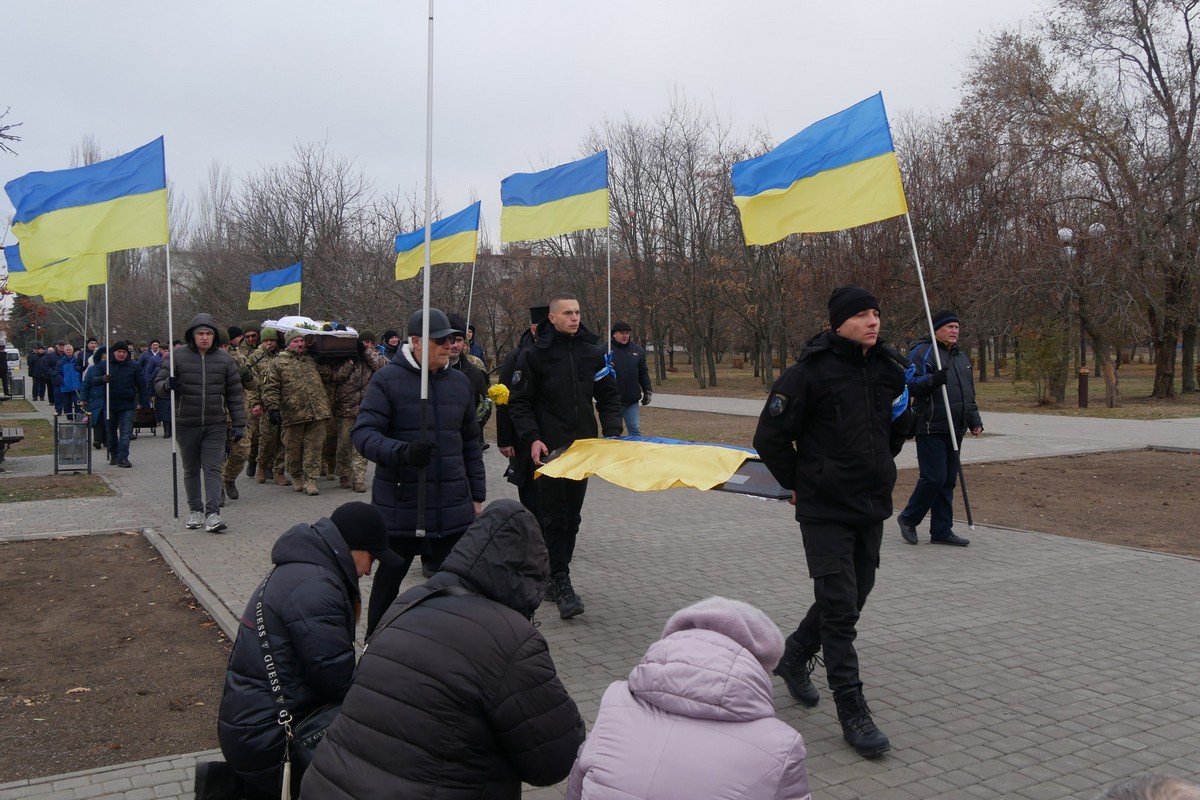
279	287
453	240
107	206
68	279
838	173
566	198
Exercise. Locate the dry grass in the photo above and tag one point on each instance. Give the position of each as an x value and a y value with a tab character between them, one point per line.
52	487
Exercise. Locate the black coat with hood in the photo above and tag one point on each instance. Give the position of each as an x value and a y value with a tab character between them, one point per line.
309	614
633	376
827	431
208	385
458	697
927	402
553	388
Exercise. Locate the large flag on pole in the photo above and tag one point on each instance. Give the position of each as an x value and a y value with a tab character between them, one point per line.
838	173
111	205
566	198
279	287
453	240
68	279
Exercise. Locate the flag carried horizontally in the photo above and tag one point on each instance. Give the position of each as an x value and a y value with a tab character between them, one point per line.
68	279
453	240
838	173
566	198
279	287
111	205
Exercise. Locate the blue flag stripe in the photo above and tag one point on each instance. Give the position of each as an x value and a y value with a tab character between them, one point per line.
266	281
463	221
566	180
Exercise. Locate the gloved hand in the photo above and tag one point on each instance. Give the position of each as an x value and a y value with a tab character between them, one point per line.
362	347
172	383
104	379
938	378
275	417
238	433
646	398
419	453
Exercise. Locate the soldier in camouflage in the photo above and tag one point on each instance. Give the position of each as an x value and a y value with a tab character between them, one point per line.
269	455
245	353
349	378
295	398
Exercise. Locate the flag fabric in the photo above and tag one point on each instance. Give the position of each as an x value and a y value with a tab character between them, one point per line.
566	198
111	205
453	240
279	287
68	279
646	465
838	173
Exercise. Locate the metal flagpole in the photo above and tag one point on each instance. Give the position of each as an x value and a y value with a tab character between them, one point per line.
421	472
111	446
171	393
608	237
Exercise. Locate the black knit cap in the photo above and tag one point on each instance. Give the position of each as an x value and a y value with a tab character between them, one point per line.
538	314
944	317
120	344
363	527
233	331
846	301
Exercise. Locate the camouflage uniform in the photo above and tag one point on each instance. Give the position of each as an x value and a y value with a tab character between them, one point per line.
293	387
349	379
269	454
245	358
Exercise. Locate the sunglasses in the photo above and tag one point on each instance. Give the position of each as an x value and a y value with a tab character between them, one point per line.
444	340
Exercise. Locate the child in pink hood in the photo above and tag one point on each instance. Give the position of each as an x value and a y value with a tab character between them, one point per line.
696	719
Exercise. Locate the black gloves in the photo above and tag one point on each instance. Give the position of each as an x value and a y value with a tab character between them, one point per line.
362	347
938	378
419	453
238	433
646	398
275	417
172	384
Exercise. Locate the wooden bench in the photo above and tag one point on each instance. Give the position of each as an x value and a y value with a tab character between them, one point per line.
9	435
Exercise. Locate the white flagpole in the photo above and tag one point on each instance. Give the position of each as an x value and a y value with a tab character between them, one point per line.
111	446
171	394
937	357
420	526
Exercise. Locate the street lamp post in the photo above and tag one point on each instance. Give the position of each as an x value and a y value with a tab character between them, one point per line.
1067	236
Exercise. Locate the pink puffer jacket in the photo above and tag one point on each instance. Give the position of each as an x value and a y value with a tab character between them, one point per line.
695	719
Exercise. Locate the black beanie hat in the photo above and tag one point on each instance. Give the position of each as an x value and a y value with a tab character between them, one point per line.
944	317
846	301
363	527
538	314
120	345
234	331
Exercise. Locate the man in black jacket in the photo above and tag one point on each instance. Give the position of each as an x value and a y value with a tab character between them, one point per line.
936	456
37	356
829	434
520	467
633	378
553	389
457	697
310	607
127	391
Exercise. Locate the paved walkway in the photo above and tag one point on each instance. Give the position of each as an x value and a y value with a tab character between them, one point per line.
1025	666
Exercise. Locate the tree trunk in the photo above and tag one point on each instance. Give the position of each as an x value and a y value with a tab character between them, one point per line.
1163	349
1188	383
983	376
712	366
1018	373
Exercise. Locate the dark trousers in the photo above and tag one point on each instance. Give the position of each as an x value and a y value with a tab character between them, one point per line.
201	448
934	491
386	584
560	501
119	429
842	561
39	389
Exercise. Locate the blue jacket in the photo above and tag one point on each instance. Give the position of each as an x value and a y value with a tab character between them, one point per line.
127	388
68	380
389	417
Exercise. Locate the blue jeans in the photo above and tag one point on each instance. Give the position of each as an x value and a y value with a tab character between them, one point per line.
934	492
120	431
632	414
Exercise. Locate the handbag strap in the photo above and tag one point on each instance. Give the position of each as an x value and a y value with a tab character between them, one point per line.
393	612
283	716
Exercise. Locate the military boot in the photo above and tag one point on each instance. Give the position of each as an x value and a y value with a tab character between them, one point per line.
251	469
282	479
569	603
796	668
857	726
260	474
310	488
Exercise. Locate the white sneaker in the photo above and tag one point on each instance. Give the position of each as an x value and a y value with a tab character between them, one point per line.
194	520
213	524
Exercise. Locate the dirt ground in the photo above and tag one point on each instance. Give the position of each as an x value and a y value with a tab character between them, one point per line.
107	658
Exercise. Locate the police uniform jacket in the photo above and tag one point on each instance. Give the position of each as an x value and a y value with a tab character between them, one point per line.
827	432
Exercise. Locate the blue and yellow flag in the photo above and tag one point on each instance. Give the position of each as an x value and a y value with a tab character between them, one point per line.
279	287
453	240
111	205
67	280
648	465
566	198
838	173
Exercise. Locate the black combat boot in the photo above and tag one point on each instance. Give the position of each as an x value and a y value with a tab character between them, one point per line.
857	726
569	603
251	468
796	668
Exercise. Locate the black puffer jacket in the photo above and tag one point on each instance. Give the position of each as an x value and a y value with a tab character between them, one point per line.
827	430
127	386
928	405
308	611
506	434
554	385
389	417
633	377
208	385
458	697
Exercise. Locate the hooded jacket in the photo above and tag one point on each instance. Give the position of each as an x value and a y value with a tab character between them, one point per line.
458	697
827	431
389	418
207	384
695	719
553	388
309	613
928	406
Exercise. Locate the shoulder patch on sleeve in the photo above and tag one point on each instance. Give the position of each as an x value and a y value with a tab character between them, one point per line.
516	378
776	404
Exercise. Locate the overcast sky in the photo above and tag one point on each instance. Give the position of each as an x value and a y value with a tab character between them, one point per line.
517	83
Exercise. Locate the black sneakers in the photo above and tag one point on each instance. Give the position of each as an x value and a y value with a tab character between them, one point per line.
569	603
857	726
907	531
796	668
950	539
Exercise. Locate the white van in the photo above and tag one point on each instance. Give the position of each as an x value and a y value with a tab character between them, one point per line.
14	364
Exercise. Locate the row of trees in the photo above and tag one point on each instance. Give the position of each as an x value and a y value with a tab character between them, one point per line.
1084	124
